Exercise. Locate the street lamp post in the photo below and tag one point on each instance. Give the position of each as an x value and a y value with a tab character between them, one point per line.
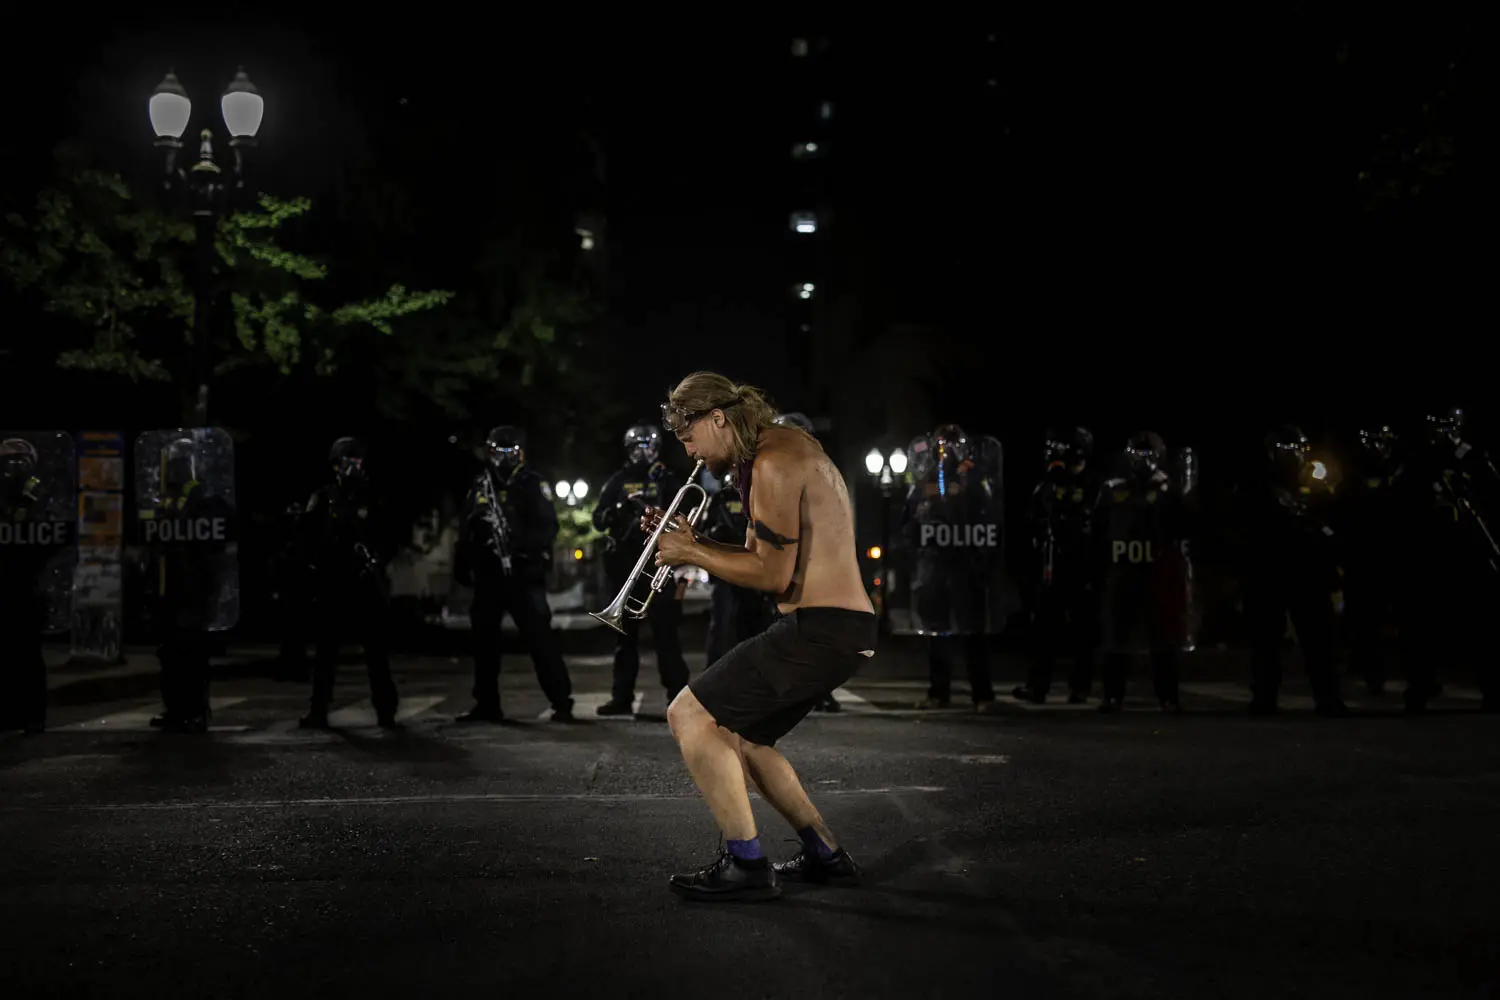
884	471
208	194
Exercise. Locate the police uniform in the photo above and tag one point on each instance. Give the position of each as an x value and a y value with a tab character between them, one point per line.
951	584
1065	608
1453	562
622	501
1292	572
23	611
189	589
349	542
1369	533
1139	525
504	552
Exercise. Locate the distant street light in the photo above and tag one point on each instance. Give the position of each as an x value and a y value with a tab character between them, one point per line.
804	222
202	189
880	469
898	461
874	461
562	488
580	488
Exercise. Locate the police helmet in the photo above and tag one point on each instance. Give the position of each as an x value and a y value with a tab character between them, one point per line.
1445	425
1377	441
798	420
642	443
1145	453
507	447
1069	446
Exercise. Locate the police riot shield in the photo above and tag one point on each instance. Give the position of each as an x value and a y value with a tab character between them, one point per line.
1150	591
185	527
946	571
38	527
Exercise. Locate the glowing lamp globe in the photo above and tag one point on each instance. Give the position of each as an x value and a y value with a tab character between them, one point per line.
170	108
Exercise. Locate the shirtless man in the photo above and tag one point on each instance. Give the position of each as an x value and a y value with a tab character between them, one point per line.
800	547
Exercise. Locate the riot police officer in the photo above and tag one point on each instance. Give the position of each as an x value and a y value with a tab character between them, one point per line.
1139	527
951	586
644	480
349	543
23	559
504	552
191	576
1065	593
1372	546
1292	570
1453	489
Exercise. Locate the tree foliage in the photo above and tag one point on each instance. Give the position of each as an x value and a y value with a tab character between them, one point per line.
117	267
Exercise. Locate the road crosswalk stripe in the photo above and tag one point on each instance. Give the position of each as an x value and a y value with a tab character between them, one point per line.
139	718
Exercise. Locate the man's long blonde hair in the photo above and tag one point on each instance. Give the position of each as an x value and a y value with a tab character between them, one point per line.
745	409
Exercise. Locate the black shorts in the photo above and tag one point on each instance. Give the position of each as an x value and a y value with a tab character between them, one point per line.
767	684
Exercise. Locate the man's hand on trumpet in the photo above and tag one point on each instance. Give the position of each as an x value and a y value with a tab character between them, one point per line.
674	547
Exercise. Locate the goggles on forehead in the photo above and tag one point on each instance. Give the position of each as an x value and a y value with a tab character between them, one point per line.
677	419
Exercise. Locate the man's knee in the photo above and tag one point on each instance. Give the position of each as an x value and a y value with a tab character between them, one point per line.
686	713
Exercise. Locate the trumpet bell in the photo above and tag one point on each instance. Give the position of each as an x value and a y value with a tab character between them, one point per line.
613	617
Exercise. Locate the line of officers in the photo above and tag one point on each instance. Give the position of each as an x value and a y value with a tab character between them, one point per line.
333	587
1405	537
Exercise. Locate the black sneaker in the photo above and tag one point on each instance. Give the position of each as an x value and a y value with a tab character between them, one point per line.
617	707
839	869
729	880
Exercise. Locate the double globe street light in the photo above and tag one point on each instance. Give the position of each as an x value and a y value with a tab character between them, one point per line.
884	471
204	190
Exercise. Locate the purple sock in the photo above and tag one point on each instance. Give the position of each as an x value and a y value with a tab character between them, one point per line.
745	850
814	843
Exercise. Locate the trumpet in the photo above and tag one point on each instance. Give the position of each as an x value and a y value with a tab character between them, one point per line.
624	605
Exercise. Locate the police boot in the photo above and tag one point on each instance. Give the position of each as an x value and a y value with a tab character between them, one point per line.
930	703
316	719
1025	693
830	704
617	707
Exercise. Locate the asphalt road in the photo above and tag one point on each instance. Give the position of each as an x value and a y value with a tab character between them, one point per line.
1039	853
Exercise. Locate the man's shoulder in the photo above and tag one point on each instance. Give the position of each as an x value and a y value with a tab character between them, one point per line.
785	452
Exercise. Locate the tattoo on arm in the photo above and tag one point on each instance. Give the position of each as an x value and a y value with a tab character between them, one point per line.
765	534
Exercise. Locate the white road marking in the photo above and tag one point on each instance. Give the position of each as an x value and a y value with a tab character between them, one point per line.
852	703
404	800
138	719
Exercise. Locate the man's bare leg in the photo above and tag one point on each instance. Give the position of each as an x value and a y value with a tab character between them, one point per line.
713	758
775	779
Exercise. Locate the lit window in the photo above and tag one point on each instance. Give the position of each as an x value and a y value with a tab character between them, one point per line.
799	47
804	222
826	111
